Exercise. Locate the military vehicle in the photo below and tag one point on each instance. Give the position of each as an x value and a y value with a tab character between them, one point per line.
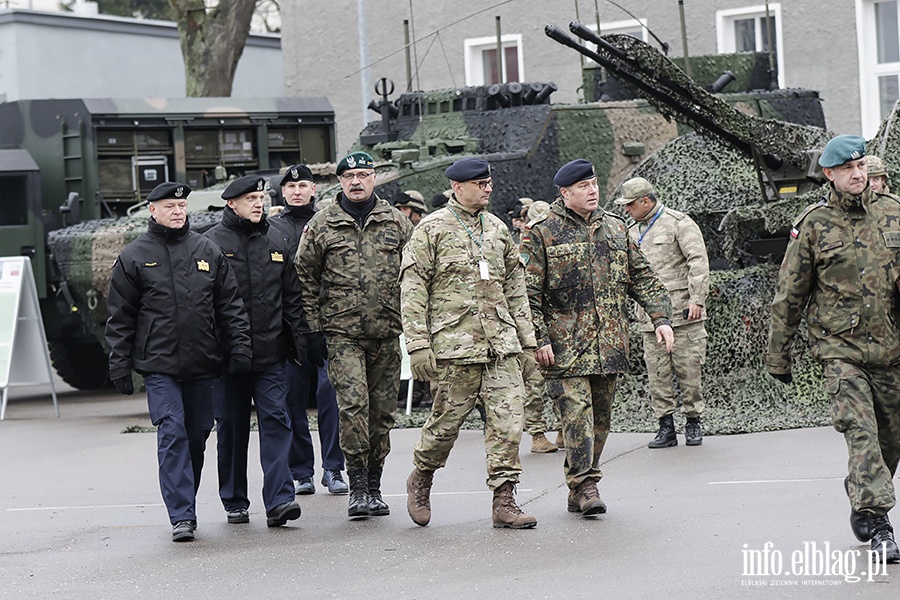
75	168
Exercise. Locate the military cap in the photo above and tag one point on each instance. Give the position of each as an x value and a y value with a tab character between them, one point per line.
537	210
875	166
841	149
468	169
573	172
244	185
355	160
412	199
634	188
168	191
440	199
297	173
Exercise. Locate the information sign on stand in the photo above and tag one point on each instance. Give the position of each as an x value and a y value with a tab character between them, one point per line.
24	359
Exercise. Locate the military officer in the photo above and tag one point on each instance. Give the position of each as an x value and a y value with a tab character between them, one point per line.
841	269
674	246
271	294
349	262
171	291
581	268
466	321
298	190
878	175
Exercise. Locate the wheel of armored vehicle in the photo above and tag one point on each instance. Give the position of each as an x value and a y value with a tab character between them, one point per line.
82	364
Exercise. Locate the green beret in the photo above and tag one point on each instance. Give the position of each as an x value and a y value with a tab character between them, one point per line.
841	149
170	190
355	160
244	185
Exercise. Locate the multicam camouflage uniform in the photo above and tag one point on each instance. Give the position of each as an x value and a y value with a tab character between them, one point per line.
349	280
842	266
675	249
475	327
579	275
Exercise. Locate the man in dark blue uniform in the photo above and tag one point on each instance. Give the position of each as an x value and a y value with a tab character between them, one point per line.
271	294
299	189
171	291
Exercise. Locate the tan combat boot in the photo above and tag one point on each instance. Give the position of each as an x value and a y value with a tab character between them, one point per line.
585	499
418	496
560	440
505	511
541	445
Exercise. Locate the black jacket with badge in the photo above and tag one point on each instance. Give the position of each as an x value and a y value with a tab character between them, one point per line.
171	295
290	223
268	285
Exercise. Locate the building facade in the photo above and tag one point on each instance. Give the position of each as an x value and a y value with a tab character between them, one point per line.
848	51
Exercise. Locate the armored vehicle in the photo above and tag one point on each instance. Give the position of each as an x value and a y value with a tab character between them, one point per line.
78	166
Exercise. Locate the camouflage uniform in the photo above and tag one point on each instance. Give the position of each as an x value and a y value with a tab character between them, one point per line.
841	267
475	327
579	275
675	249
349	280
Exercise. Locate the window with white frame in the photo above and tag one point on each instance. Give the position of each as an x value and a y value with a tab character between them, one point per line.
749	30
879	55
481	60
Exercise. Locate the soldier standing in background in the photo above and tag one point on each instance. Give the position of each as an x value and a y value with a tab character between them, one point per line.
674	246
412	204
349	262
841	269
466	320
580	269
878	175
171	291
298	190
271	294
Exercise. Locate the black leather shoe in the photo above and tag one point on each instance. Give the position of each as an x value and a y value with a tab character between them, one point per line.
281	514
183	531
238	516
860	523
884	548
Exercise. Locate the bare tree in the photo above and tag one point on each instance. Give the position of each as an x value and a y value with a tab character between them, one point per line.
212	41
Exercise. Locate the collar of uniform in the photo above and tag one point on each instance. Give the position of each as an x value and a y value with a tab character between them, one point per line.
303	211
460	209
649	217
560	208
849	202
231	220
335	214
167	233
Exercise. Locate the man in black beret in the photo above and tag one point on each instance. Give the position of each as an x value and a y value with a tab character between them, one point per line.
172	297
271	294
580	270
299	189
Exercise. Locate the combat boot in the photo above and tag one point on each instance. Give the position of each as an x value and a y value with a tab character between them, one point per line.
561	440
665	437
884	548
692	434
585	499
541	445
359	493
377	506
418	496
505	511
860	523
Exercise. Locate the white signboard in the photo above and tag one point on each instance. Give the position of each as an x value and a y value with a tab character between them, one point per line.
24	359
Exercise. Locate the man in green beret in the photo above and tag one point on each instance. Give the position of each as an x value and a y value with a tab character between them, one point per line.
348	261
841	269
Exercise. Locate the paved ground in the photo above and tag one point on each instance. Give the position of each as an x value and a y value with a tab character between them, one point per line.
81	517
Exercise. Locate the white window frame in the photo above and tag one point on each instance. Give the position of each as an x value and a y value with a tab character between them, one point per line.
869	69
474	63
725	41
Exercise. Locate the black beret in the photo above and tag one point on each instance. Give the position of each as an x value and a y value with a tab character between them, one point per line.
355	160
468	169
297	173
573	172
244	185
168	191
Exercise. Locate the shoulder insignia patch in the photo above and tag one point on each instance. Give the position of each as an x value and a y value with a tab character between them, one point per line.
524	256
202	265
794	233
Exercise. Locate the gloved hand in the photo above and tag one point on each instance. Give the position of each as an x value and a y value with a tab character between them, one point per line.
300	352
423	365
316	350
124	384
527	363
239	363
785	378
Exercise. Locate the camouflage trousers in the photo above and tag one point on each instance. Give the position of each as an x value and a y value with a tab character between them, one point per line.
865	407
541	414
365	374
684	363
585	405
499	386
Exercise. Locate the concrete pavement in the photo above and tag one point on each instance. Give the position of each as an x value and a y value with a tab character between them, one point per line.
81	517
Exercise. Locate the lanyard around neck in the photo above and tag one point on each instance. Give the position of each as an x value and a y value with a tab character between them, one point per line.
650	224
480	239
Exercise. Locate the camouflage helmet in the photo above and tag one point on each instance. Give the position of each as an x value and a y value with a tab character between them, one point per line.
875	166
537	210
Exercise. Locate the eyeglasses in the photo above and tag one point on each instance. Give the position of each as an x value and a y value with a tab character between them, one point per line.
352	176
485	183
